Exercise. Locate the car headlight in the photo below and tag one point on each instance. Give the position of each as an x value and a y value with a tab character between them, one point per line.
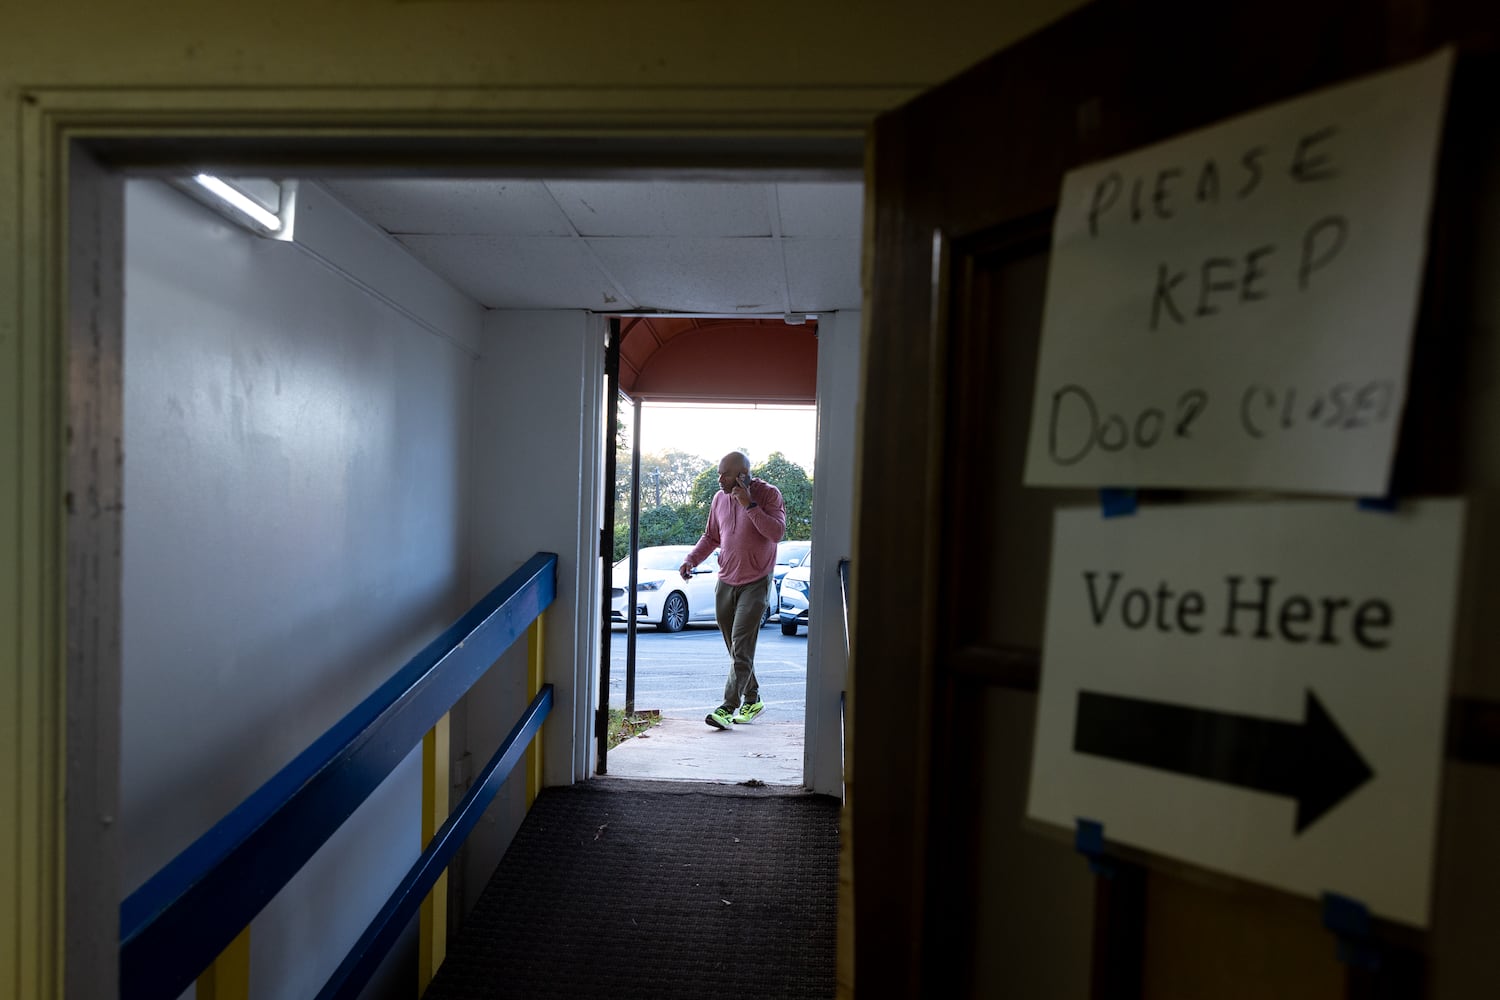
798	585
649	585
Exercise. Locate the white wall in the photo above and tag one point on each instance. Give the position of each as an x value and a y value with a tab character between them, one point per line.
295	504
536	488
833	500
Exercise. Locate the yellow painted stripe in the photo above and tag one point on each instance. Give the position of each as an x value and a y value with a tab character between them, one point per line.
534	673
433	938
229	977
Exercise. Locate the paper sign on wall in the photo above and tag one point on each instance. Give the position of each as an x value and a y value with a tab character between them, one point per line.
1233	308
1256	689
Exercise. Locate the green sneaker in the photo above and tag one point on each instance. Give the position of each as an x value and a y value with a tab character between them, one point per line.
748	711
719	719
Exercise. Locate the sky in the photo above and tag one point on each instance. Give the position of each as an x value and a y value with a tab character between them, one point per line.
710	431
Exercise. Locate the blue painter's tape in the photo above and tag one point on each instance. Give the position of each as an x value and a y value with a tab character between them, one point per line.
1117	501
1088	840
1384	505
1343	915
1088	837
1349	920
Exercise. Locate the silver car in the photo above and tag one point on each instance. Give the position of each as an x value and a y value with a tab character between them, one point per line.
796	595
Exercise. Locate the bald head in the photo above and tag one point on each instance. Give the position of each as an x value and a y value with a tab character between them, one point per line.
731	467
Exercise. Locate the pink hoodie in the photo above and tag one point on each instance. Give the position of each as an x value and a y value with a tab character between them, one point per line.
746	539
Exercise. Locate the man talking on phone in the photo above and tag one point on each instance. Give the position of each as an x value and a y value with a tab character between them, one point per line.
745	521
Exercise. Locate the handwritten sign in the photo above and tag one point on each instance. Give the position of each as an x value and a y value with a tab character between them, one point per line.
1254	688
1233	308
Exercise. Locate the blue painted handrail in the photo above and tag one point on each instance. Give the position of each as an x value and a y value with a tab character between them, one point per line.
354	973
174	925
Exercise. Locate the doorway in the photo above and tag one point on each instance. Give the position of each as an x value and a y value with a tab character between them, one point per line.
665	653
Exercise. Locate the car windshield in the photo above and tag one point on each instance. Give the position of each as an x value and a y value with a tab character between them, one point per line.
791	553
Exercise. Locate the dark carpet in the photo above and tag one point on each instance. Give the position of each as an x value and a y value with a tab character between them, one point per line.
655	890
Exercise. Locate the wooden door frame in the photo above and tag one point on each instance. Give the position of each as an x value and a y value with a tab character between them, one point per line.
68	467
1108	78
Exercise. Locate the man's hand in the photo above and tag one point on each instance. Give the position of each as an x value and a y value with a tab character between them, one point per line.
741	491
685	571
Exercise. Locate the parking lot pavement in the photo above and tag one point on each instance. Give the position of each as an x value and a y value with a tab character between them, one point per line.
682	674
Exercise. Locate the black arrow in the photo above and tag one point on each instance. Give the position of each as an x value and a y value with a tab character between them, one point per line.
1310	761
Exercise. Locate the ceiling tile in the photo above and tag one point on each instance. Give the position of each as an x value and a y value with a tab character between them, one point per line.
823	275
519	273
697	275
665	208
821	210
462	207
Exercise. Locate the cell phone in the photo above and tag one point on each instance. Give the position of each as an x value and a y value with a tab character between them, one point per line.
745	480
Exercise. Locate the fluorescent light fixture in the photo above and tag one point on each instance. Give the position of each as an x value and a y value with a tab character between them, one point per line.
239	201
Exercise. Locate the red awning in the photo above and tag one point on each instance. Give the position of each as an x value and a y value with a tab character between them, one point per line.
718	360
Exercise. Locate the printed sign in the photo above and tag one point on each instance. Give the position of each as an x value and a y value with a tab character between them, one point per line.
1254	688
1233	308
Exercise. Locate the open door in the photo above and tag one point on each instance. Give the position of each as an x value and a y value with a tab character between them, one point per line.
956	892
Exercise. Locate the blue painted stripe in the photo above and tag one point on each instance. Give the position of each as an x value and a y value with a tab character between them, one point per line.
174	925
354	973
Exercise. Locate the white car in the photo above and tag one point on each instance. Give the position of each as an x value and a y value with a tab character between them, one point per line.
795	587
788	554
663	598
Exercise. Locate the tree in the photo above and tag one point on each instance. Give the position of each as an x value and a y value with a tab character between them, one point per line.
622	478
676	525
681	520
668	514
796	492
778	470
667	477
702	496
663	526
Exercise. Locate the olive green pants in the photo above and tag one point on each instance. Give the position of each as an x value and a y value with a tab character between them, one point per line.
739	611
